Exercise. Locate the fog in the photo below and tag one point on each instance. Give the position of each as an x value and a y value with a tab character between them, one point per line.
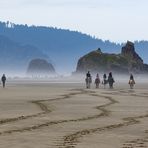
79	78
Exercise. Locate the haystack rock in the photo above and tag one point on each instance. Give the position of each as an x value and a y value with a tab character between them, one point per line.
40	67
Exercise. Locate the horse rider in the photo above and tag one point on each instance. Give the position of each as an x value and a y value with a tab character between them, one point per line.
104	82
131	81
110	80
131	77
88	74
97	81
88	79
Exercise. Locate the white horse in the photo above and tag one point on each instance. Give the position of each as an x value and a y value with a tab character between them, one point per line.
131	83
88	81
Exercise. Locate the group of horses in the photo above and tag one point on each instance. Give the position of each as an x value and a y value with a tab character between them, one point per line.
88	81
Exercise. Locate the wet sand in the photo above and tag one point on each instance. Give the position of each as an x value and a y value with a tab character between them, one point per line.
66	115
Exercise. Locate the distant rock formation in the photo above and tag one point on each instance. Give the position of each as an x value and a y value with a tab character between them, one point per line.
40	67
47	42
126	62
135	62
14	56
129	52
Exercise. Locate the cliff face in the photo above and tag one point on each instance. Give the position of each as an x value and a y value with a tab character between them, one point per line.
40	67
127	61
135	62
97	61
129	52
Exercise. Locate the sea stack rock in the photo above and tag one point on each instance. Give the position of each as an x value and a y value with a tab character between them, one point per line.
135	62
128	61
97	61
40	67
128	48
129	52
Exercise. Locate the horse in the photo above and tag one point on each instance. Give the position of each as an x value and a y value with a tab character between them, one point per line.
104	82
131	83
97	82
88	81
111	82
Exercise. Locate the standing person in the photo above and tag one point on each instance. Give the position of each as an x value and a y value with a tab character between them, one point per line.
88	79
3	79
131	81
97	81
104	82
110	80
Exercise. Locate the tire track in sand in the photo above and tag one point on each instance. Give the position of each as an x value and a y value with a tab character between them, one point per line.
104	112
140	142
70	141
127	93
44	109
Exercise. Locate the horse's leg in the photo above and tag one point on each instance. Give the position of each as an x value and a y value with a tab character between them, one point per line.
112	85
86	85
109	85
131	86
96	85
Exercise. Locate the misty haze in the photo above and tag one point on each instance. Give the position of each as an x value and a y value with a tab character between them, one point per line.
74	74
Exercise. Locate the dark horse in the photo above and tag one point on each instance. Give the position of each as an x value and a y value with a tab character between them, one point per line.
104	82
110	80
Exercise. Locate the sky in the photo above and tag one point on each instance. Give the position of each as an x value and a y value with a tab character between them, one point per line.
115	20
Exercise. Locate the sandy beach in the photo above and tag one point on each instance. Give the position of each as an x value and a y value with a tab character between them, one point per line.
66	115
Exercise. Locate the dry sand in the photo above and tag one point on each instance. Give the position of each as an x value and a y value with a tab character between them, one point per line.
66	115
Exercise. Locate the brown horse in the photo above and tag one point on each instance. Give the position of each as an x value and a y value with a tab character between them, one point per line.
131	83
97	82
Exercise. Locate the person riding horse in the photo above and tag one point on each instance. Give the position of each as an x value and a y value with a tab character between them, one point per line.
104	82
97	81
110	80
88	79
131	81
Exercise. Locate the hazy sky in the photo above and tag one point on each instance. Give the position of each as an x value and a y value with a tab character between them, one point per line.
116	20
